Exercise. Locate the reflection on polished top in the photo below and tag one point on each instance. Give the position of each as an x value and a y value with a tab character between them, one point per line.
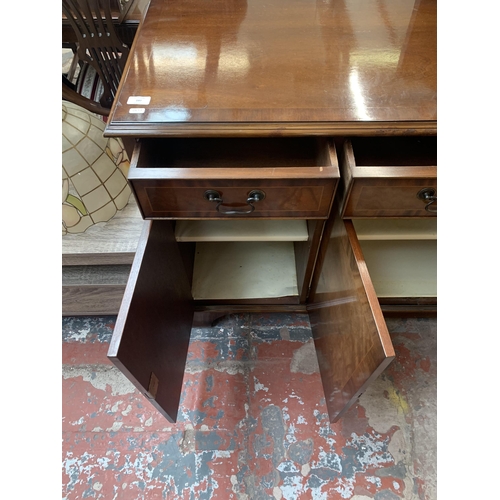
276	65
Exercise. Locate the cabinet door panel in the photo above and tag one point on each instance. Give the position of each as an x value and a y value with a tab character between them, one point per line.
151	336
350	334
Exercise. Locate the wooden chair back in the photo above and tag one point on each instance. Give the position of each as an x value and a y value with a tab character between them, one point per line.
98	43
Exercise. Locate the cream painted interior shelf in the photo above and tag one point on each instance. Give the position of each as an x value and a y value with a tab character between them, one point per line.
244	270
241	230
396	229
243	259
401	255
402	268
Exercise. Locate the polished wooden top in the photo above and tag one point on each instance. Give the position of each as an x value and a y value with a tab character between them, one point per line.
237	67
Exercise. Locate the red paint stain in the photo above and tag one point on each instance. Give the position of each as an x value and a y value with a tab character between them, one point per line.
425	364
75	353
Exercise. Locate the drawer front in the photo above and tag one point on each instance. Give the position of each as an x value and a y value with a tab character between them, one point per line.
223	199
243	178
374	197
389	177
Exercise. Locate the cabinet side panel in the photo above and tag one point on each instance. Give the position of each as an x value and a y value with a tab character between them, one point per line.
350	335
153	327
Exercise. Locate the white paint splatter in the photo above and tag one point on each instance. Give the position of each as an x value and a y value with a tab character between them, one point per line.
286	415
258	386
79	335
288	466
374	480
222	453
101	376
373	453
114	408
290	435
317	494
103	462
296	396
292	487
127	410
345	486
115	427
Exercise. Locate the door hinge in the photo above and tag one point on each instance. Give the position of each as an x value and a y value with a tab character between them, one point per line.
153	386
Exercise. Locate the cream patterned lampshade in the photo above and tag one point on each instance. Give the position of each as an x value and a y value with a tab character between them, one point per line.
94	171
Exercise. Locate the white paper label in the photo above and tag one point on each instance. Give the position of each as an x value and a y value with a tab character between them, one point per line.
139	99
136	110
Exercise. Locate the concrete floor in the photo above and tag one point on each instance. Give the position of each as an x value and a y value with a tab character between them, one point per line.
252	422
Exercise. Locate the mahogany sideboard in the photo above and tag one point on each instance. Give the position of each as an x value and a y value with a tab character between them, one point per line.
285	160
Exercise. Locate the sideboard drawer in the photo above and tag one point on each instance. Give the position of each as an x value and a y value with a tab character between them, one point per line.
233	177
390	177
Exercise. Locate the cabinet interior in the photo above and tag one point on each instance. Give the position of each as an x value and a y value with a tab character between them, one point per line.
234	152
244	270
395	151
241	230
401	255
396	229
244	259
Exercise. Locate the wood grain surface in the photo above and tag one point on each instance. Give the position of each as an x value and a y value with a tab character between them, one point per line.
297	198
93	290
306	253
383	175
230	69
298	177
267	67
152	331
91	300
350	334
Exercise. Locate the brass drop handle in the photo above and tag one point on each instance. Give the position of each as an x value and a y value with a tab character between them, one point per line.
428	196
253	197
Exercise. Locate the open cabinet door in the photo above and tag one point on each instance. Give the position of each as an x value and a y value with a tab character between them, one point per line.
151	336
350	334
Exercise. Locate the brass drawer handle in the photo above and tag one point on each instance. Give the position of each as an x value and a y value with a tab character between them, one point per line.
428	196
253	197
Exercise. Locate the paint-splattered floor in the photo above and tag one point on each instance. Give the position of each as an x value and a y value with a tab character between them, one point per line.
252	422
